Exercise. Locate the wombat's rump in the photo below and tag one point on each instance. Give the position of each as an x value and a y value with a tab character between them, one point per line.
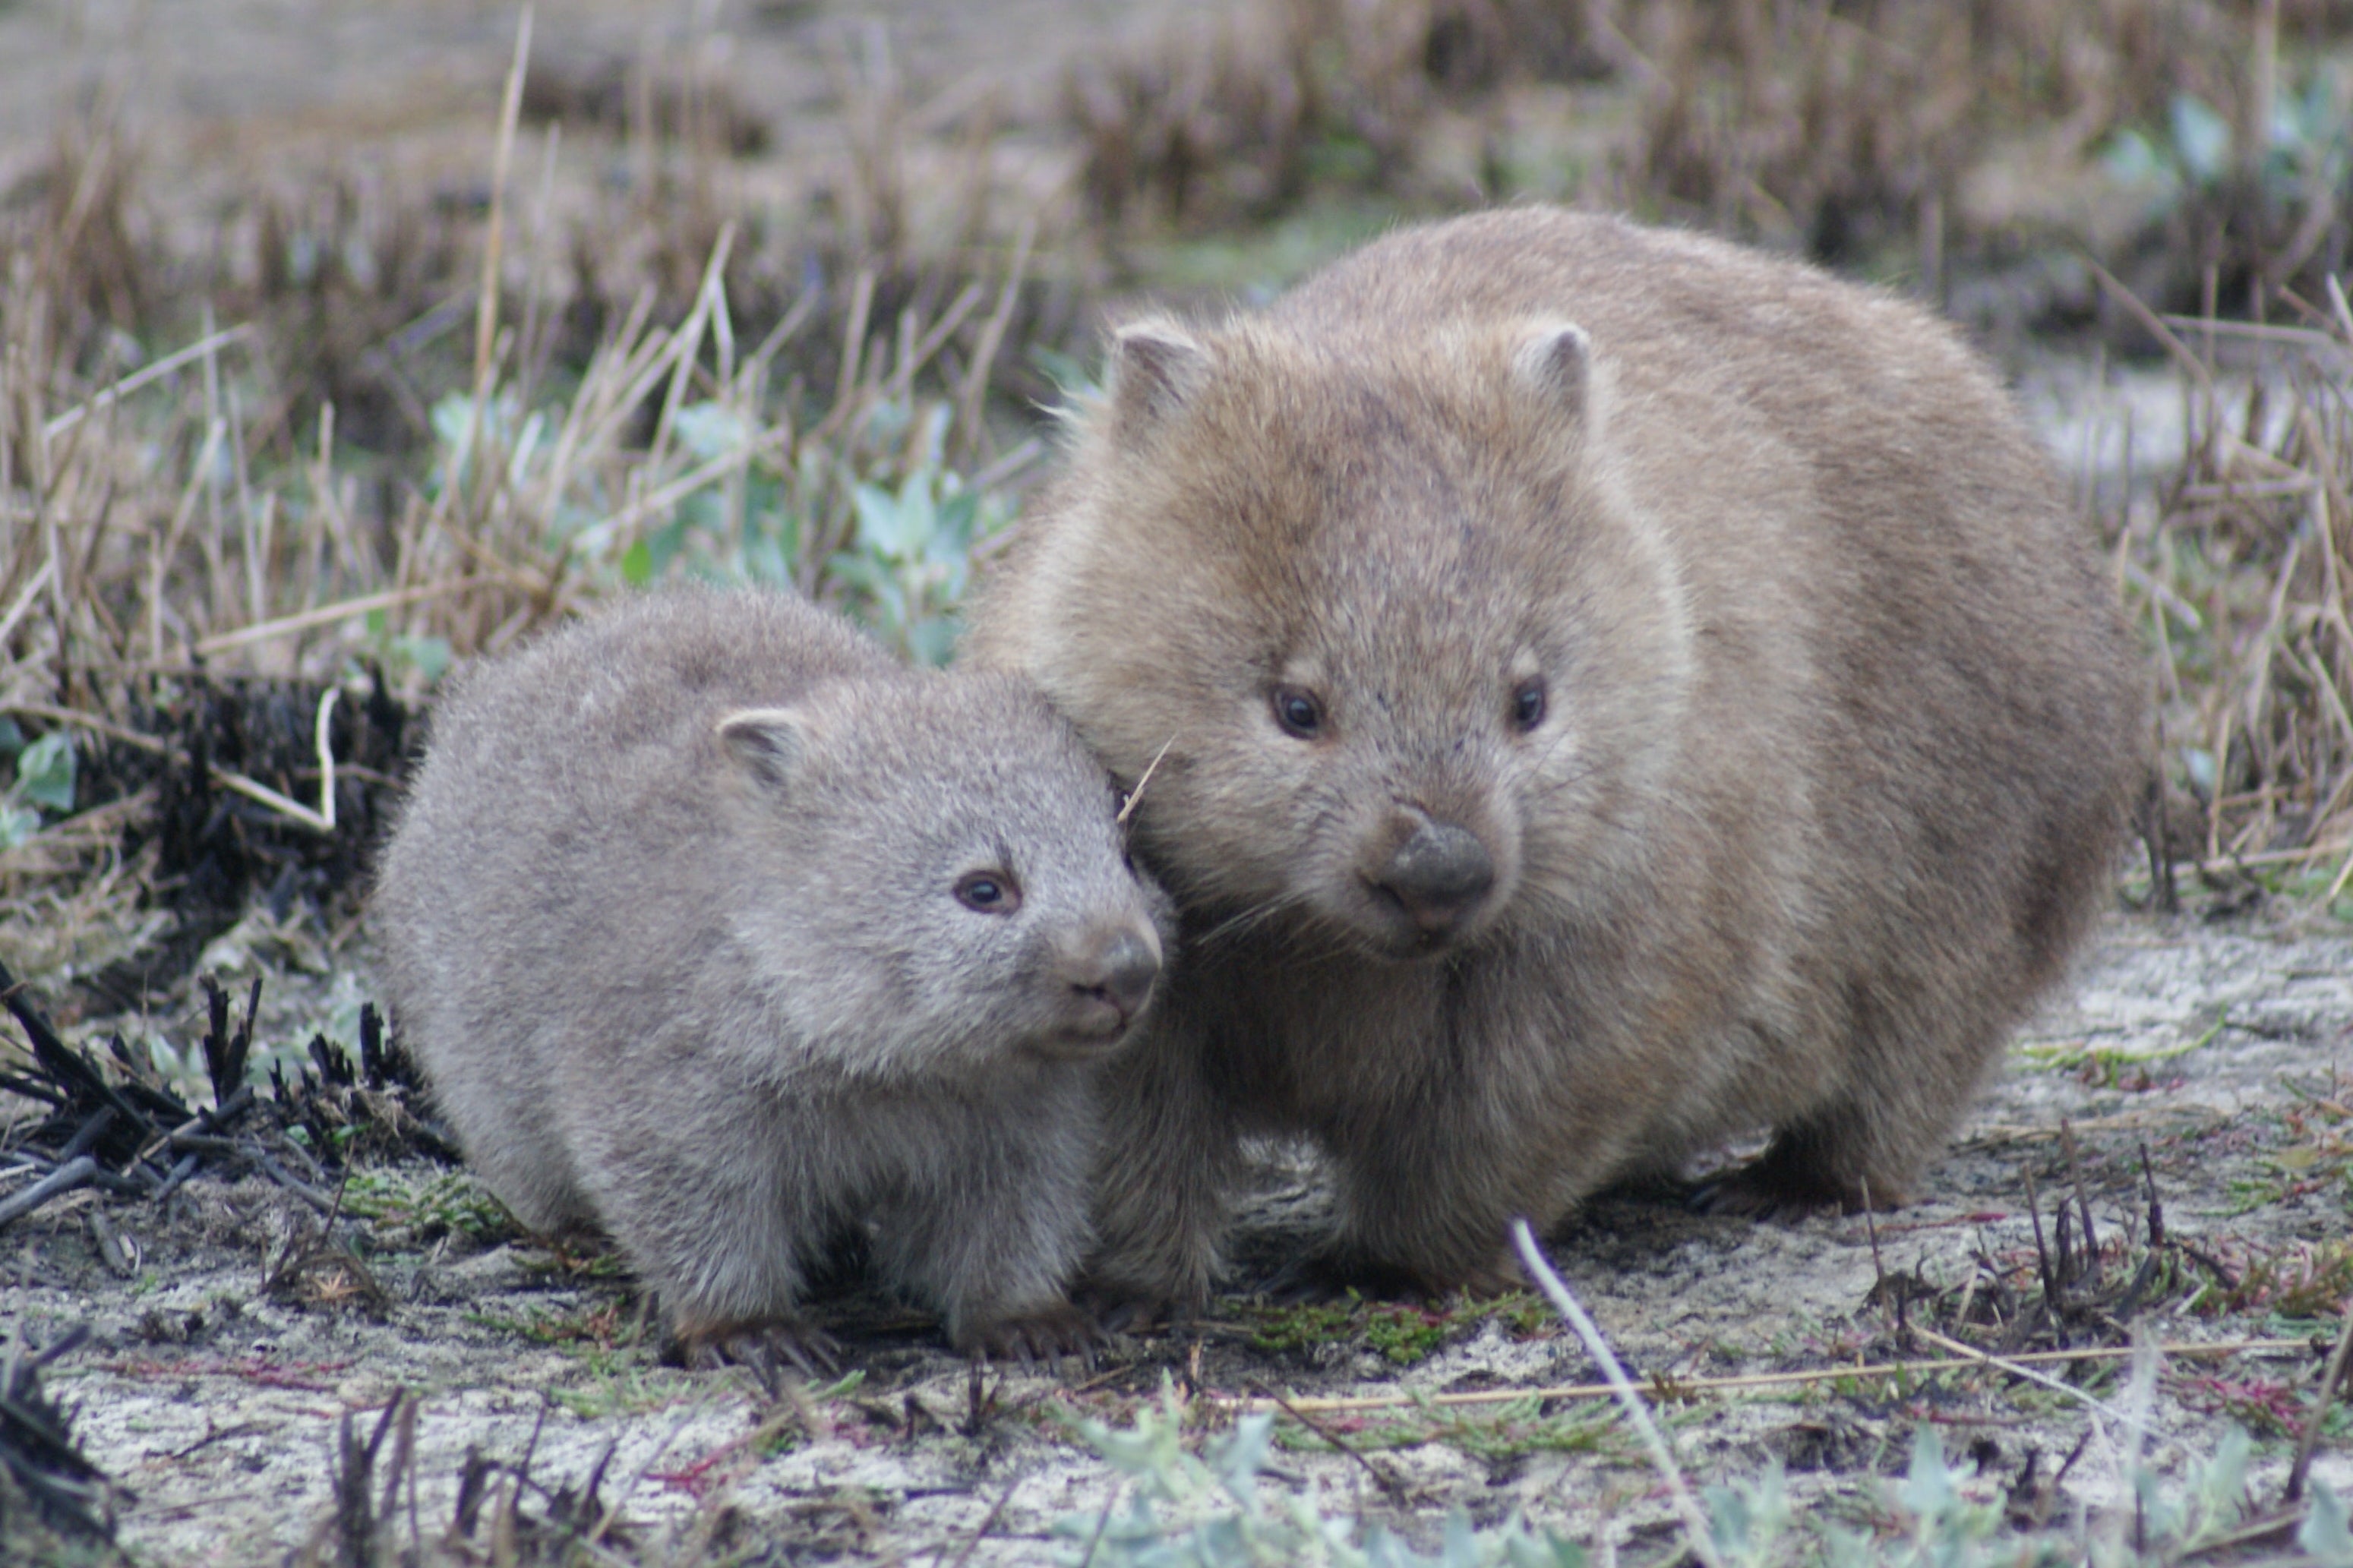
1620	691
715	927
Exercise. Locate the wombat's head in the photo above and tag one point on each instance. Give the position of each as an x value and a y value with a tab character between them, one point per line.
938	873
1383	605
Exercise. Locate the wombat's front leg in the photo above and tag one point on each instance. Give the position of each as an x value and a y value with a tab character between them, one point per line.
987	1218
716	1227
1168	1161
1426	1201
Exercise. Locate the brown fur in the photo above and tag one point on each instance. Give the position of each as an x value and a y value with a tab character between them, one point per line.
1837	725
671	922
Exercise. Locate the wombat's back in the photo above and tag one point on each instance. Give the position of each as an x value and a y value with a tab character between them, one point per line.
560	831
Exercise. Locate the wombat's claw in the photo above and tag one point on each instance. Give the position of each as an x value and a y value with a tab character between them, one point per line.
1059	1330
1502	1277
1118	1310
1314	1278
1332	1277
764	1350
1761	1192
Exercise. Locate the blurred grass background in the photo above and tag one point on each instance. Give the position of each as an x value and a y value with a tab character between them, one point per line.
321	418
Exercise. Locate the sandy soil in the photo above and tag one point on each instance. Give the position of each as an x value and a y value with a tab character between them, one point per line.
2209	1047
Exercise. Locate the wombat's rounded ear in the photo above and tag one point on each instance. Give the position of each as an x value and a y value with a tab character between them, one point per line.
769	744
1555	361
1155	365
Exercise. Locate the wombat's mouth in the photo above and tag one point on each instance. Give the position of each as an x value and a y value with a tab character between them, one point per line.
1091	1025
1385	925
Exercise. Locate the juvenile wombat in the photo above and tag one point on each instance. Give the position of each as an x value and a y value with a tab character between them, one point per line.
713	926
1619	691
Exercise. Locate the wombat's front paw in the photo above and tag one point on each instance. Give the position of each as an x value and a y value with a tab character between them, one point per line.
1330	1275
1123	1309
1771	1189
1059	1330
766	1348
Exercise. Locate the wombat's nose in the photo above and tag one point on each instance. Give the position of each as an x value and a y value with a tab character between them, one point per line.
1130	965
1439	874
1121	970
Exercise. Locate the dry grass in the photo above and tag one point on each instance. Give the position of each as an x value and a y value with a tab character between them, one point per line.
1898	137
417	422
1842	130
407	429
1240	117
2239	572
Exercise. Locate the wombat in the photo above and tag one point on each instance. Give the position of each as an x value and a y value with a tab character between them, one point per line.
1619	691
713	926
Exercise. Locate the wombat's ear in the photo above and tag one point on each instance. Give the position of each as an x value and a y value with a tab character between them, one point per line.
769	744
1556	362
1155	365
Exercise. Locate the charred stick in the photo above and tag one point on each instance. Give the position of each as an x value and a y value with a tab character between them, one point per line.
195	1132
31	1089
318	1172
242	1046
91	1132
203	1143
2083	1202
180	1173
2050	1290
216	1034
295	1185
68	1070
64	1179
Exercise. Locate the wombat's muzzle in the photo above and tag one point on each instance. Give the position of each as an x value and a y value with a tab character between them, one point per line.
1111	975
1439	877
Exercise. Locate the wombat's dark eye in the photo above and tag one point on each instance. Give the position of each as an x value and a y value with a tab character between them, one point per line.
987	892
1528	703
1298	713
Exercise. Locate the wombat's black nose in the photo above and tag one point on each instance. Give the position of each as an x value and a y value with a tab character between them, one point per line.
1439	875
1124	970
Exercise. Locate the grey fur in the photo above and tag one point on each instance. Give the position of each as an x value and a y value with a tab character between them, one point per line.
1834	726
670	921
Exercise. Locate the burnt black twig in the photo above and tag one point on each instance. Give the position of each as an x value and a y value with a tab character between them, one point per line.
64	1179
37	1447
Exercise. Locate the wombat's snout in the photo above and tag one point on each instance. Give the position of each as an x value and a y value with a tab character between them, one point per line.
1111	974
1439	875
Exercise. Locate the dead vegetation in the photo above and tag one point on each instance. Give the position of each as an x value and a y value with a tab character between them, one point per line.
2190	143
2237	572
413	424
430	428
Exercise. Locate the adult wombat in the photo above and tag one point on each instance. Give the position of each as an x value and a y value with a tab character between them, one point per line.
1619	691
713	926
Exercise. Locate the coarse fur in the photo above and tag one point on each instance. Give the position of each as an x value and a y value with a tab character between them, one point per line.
1620	691
677	919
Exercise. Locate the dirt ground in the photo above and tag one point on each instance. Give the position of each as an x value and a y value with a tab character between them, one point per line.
2219	1049
218	94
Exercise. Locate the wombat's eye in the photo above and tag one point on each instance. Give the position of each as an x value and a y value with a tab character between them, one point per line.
1298	711
987	892
1528	703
